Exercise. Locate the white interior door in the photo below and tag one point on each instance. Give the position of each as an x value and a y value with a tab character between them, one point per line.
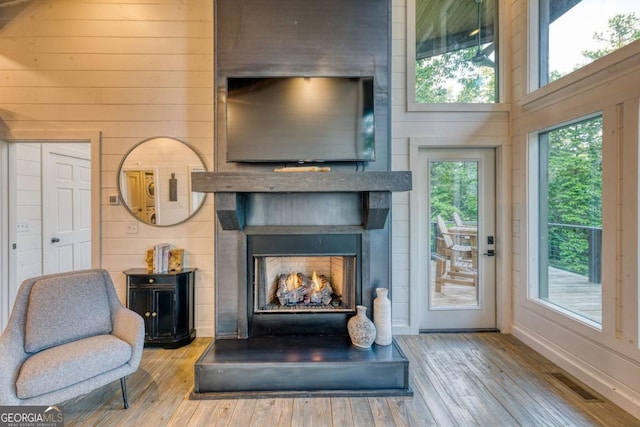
457	239
66	204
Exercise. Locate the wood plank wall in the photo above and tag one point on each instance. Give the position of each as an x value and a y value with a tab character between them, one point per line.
131	69
605	356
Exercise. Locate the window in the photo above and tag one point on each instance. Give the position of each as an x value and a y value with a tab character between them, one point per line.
569	203
574	33
455	51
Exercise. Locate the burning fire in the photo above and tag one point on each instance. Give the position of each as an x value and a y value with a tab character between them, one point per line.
299	289
293	282
317	282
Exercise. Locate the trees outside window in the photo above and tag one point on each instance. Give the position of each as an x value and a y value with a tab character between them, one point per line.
574	33
456	51
570	217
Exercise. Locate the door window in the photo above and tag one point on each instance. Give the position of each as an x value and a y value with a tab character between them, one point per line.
457	240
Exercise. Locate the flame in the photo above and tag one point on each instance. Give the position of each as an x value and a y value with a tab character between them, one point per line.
317	282
292	282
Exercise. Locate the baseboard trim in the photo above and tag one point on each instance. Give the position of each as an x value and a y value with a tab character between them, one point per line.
602	383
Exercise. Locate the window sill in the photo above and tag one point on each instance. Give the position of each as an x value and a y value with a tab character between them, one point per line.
458	107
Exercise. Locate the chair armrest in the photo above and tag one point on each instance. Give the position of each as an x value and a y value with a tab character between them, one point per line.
129	327
12	356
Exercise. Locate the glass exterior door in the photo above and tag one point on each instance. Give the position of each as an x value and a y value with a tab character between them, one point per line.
460	241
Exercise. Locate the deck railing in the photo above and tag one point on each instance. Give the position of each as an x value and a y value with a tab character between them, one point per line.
576	248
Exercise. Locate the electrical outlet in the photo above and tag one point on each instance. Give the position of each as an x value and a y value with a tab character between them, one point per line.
132	228
114	199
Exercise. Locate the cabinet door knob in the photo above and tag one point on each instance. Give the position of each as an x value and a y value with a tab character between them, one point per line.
154	314
147	314
151	280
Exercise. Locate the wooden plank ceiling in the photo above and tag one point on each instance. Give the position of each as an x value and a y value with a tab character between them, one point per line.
448	25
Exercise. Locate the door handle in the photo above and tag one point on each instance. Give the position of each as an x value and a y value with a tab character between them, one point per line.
490	252
55	239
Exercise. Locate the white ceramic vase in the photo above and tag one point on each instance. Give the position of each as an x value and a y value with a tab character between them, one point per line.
362	331
382	317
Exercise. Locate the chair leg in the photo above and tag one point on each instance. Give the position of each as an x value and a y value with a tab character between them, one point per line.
123	384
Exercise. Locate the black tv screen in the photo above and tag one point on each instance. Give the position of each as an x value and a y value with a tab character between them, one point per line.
300	119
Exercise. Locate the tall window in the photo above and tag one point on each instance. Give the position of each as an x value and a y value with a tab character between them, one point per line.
574	33
570	217
456	51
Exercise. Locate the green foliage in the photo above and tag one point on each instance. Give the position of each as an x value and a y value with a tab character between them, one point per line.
453	78
574	199
454	188
623	29
574	169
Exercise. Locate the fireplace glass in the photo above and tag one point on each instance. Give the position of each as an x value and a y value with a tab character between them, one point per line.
300	284
305	283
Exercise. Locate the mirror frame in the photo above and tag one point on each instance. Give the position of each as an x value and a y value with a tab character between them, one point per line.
119	180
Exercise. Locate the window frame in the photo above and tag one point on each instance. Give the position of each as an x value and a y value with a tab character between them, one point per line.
502	78
533	194
534	89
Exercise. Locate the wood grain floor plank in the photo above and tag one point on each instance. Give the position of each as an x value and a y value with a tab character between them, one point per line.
509	394
454	369
410	412
341	414
312	412
513	360
458	413
243	413
362	415
272	412
457	379
382	416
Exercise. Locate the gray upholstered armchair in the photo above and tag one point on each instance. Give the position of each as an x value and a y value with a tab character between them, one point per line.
68	334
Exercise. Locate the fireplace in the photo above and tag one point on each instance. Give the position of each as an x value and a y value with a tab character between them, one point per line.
282	332
307	284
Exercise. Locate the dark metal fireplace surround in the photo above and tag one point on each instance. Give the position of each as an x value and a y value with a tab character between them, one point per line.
299	346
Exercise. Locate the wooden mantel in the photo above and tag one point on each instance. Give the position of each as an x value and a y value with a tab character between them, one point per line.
376	188
292	182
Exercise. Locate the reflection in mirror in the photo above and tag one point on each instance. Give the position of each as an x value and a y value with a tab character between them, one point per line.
154	181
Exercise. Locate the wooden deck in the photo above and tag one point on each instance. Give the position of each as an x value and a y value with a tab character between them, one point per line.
483	379
568	290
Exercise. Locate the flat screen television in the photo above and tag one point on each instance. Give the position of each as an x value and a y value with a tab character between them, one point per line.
300	119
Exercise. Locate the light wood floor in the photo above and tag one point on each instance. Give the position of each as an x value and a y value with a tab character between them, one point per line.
483	379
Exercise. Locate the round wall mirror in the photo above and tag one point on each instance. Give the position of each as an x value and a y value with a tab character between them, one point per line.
154	181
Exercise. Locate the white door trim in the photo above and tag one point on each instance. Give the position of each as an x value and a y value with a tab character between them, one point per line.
503	222
45	135
5	238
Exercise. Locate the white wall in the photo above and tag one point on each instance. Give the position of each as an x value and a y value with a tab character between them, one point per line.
131	70
607	357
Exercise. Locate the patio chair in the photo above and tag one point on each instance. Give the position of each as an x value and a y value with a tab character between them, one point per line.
457	220
455	263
